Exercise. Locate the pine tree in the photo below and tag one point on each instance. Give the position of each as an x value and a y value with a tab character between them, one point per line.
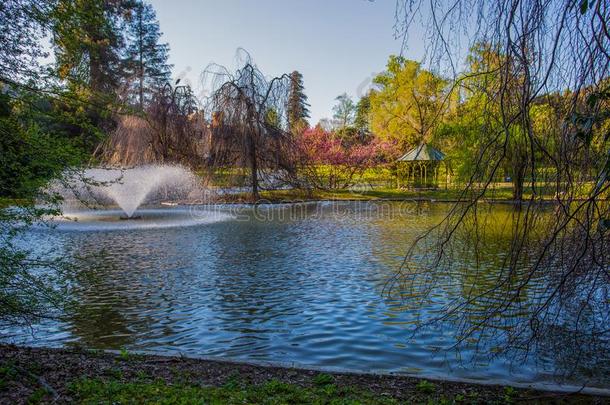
298	107
363	110
146	58
88	44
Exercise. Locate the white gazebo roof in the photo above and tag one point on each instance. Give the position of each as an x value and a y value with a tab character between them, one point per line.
423	152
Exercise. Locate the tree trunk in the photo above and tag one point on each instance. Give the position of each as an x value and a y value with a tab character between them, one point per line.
518	180
141	61
253	166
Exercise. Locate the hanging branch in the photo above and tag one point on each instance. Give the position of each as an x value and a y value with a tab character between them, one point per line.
555	263
249	124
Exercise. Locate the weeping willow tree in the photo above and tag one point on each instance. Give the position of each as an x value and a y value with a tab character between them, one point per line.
169	130
540	85
249	124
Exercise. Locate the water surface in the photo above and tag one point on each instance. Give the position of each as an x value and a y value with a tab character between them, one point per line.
301	284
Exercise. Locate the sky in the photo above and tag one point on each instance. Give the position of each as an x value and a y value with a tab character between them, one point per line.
338	45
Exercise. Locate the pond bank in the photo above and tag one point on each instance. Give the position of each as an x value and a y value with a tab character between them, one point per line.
79	375
499	195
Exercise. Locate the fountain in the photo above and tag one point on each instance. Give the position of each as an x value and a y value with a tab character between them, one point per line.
89	196
128	188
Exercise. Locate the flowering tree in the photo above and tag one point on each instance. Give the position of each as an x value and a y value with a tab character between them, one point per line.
331	163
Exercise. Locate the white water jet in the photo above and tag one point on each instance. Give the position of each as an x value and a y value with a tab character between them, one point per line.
129	188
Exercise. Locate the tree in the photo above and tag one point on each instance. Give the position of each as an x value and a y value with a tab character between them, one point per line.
298	107
250	122
330	163
540	48
170	131
477	103
409	102
187	101
363	111
344	111
173	135
88	44
146	58
37	145
89	47
22	24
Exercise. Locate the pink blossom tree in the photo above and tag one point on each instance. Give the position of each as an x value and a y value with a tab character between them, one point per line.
329	163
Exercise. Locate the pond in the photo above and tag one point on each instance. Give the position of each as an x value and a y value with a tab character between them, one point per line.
298	284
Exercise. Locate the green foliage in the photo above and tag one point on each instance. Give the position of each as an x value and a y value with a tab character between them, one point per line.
475	120
124	354
272	118
30	155
146	61
363	111
297	106
426	387
509	394
44	130
37	396
323	379
409	102
94	391
87	43
352	136
344	111
35	149
8	373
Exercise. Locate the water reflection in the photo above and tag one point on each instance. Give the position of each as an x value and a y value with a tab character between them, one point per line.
304	284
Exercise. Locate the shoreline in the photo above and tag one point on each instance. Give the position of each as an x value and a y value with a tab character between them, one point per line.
54	372
549	387
266	201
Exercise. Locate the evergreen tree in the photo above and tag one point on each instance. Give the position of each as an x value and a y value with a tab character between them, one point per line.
146	58
363	110
88	44
298	107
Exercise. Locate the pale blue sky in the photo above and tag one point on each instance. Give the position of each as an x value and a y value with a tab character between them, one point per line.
338	45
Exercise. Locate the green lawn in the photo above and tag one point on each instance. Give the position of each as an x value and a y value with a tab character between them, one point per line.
500	192
42	375
377	183
96	391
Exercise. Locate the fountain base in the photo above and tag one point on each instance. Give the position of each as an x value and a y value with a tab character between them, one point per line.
126	218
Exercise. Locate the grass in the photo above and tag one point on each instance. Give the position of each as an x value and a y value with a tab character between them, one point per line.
129	378
451	194
495	192
380	183
426	387
322	391
97	391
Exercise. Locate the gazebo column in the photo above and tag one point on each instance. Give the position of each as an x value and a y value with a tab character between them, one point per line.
398	176
425	166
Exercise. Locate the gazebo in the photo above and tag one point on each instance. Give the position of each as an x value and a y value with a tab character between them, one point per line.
419	166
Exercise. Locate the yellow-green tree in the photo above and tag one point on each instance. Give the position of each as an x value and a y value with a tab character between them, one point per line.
408	103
